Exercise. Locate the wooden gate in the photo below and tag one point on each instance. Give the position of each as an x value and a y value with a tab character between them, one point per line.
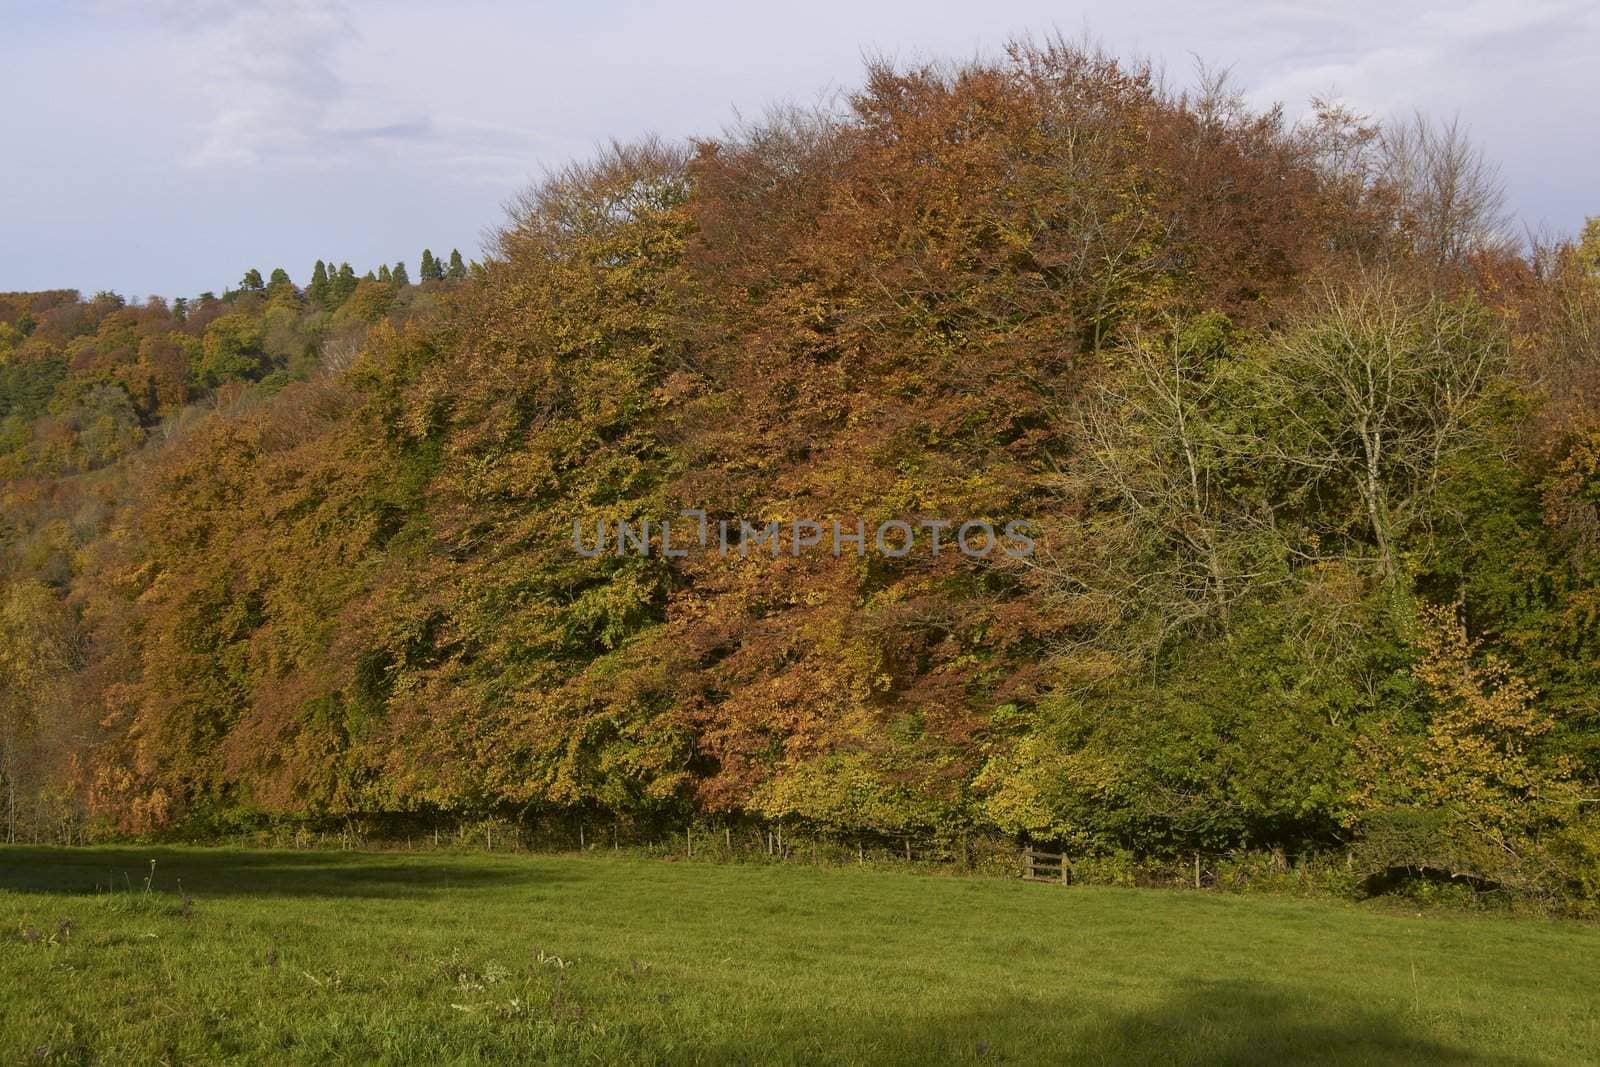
1045	866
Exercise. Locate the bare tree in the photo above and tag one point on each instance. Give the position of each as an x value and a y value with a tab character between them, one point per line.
1378	390
1451	202
1176	530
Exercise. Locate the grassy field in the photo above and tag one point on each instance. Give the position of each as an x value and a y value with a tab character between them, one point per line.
281	957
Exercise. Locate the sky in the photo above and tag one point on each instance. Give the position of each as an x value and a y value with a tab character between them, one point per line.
164	146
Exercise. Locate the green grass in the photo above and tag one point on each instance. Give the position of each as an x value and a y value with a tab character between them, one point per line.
458	958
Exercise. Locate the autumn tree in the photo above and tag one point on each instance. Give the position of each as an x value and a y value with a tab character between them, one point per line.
1470	793
231	349
39	646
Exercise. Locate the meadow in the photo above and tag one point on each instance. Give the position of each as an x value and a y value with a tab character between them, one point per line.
166	955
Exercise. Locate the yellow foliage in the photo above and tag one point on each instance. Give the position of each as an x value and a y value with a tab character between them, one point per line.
1475	758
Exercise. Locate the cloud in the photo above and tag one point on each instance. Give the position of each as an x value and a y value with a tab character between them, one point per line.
1388	58
416	130
267	77
275	92
291	126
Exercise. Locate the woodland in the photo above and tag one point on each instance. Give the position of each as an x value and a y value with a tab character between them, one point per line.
1305	428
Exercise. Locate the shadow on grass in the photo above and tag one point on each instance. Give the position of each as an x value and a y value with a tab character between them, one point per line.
1236	1023
243	873
1241	1022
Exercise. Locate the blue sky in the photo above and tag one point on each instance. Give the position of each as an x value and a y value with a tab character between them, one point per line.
165	146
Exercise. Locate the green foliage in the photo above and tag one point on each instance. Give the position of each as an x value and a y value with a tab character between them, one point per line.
231	350
367	303
319	292
342	284
432	270
27	386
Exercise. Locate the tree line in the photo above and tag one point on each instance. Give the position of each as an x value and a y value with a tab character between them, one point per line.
1310	442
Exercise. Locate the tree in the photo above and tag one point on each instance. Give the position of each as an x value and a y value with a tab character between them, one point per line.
1587	251
399	274
38	646
1181	533
432	270
1376	390
1451	201
384	275
343	284
368	303
251	282
231	350
1470	792
280	277
319	291
457	269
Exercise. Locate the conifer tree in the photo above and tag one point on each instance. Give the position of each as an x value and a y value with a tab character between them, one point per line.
383	273
344	283
430	271
279	277
318	291
400	275
457	269
251	282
